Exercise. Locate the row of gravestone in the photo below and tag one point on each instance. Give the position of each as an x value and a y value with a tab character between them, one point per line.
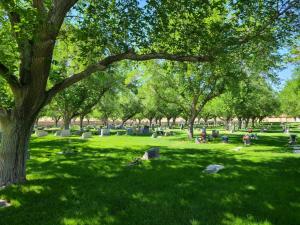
67	133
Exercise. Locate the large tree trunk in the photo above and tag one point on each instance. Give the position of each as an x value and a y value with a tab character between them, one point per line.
13	151
67	122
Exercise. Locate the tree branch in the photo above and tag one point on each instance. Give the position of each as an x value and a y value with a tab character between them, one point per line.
103	64
10	79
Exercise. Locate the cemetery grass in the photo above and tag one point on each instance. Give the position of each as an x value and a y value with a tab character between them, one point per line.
260	184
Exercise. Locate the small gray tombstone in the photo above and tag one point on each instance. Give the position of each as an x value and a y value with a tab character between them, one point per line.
105	132
86	135
151	154
129	131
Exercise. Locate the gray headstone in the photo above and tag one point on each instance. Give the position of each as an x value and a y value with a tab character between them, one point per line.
151	154
214	168
65	133
105	132
129	131
41	133
86	135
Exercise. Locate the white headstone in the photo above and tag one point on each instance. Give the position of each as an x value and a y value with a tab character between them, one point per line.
41	133
86	135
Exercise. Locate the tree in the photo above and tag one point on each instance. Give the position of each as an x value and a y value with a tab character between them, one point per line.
191	87
290	95
112	31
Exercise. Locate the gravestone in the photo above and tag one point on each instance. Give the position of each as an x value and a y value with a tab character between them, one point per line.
129	131
225	139
168	133
41	133
253	136
65	133
105	132
152	126
151	154
86	135
181	126
79	132
159	131
215	133
214	168
58	133
154	135
293	139
146	130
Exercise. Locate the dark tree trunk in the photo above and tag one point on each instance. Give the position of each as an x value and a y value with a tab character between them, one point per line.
239	123
215	121
253	121
123	122
247	122
191	128
159	122
260	119
227	123
205	121
168	122
16	133
174	121
150	121
56	120
81	117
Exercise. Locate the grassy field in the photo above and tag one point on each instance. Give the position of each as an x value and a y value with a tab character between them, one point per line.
259	185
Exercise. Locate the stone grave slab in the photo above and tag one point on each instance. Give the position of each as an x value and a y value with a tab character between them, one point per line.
86	135
105	132
41	133
65	133
213	168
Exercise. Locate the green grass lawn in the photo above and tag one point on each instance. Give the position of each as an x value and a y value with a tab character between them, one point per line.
259	185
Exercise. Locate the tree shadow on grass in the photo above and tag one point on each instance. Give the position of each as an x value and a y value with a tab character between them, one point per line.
96	187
